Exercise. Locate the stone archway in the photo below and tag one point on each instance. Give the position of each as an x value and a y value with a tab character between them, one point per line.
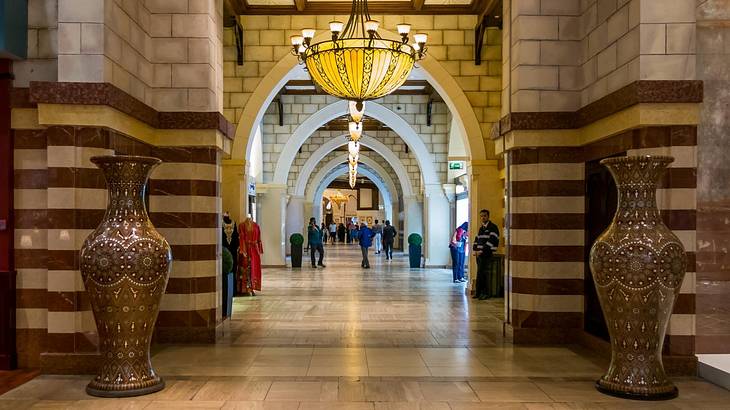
373	110
288	68
401	173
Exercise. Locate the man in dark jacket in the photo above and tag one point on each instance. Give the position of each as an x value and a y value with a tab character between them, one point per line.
365	236
314	237
485	244
389	234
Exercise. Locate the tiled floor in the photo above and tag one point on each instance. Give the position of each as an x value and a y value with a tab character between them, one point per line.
345	338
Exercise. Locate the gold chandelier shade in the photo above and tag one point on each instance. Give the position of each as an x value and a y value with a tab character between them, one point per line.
358	68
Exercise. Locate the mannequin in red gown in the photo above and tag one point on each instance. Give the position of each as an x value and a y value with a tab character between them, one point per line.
250	250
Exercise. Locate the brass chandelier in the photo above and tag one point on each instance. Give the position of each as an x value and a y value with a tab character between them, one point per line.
357	64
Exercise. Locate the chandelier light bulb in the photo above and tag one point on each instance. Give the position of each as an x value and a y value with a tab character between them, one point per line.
296	40
355	113
420	38
371	26
302	49
404	29
416	47
336	26
308	33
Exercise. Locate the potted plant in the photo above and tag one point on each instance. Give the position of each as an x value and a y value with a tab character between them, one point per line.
414	249
296	241
227	267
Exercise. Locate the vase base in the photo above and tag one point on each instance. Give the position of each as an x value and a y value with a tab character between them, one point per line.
125	393
638	396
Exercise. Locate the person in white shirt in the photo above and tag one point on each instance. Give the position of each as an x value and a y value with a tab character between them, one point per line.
378	230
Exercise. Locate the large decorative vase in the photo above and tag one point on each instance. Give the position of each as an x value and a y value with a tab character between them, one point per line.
638	265
125	264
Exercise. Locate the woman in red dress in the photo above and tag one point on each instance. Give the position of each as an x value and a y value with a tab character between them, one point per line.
250	250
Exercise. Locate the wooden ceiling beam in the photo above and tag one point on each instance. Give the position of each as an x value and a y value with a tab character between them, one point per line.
417	4
301	5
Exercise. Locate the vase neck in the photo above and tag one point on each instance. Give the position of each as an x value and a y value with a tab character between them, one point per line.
126	179
636	181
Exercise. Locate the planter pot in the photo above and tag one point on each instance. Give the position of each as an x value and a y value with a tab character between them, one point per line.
296	256
414	256
638	265
125	264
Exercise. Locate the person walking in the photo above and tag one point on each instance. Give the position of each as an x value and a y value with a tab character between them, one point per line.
341	232
485	243
365	236
323	229
333	232
389	234
458	252
314	237
378	231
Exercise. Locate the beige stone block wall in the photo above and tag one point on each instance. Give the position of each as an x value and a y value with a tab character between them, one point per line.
167	54
595	47
42	61
545	53
630	40
451	39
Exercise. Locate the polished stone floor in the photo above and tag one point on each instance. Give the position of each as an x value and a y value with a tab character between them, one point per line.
347	338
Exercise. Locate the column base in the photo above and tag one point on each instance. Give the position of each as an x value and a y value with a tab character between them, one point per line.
159	385
672	393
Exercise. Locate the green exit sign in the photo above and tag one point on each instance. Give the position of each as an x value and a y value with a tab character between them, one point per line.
456	164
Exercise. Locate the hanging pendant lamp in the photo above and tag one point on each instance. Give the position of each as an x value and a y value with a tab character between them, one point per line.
357	64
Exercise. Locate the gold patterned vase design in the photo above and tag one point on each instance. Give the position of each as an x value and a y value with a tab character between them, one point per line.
638	265
125	264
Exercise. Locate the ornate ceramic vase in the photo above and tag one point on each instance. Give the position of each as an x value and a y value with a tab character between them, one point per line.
638	265
125	265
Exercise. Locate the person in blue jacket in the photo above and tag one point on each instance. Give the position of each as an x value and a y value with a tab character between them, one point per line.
365	236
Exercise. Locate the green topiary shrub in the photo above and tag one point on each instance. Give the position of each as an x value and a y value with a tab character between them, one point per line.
227	261
415	239
296	239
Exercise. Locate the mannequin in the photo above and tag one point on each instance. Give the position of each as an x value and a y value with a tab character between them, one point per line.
230	237
250	251
230	242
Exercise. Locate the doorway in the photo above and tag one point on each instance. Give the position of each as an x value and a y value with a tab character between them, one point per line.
601	202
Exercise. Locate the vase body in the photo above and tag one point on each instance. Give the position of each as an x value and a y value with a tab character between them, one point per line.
638	265
125	264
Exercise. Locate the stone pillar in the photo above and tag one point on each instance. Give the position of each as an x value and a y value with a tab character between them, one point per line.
234	189
271	220
413	214
485	192
294	218
437	226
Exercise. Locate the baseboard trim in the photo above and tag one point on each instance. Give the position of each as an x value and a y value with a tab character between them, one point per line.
70	363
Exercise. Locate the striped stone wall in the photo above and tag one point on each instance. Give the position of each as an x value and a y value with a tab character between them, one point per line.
546	242
60	197
185	206
547	220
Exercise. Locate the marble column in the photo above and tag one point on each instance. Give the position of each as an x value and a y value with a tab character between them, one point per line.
294	218
272	198
234	189
413	214
437	226
485	192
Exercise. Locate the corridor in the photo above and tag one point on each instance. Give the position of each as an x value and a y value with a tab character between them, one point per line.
346	338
